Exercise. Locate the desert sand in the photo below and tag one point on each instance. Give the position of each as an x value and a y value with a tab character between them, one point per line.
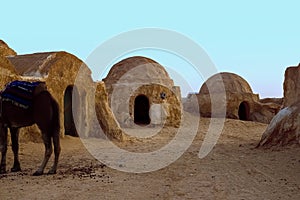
234	169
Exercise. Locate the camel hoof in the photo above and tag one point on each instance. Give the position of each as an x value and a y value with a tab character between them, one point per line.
15	169
2	171
37	173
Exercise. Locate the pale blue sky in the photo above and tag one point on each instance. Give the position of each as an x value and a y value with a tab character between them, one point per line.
255	39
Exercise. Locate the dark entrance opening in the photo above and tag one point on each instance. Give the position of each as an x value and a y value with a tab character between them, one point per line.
69	124
244	111
141	110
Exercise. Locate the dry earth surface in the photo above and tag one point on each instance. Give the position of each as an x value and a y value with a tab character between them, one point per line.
234	169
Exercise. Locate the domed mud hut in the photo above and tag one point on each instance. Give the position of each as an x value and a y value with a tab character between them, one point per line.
59	70
140	92
241	102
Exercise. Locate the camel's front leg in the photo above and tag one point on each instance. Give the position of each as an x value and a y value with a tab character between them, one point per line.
15	147
3	148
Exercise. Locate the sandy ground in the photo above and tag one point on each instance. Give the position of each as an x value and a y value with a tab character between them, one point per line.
233	170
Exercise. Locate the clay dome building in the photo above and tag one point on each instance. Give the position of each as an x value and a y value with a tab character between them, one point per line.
241	102
140	91
59	71
239	94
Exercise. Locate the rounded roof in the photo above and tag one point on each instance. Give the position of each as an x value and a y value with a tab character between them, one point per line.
40	65
136	68
232	83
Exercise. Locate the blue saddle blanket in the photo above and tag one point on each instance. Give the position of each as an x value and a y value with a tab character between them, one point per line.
20	93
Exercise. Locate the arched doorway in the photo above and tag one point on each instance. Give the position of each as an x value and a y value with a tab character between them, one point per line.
69	124
141	110
244	111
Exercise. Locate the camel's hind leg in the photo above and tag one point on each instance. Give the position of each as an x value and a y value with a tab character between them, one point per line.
56	144
48	152
42	117
46	116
